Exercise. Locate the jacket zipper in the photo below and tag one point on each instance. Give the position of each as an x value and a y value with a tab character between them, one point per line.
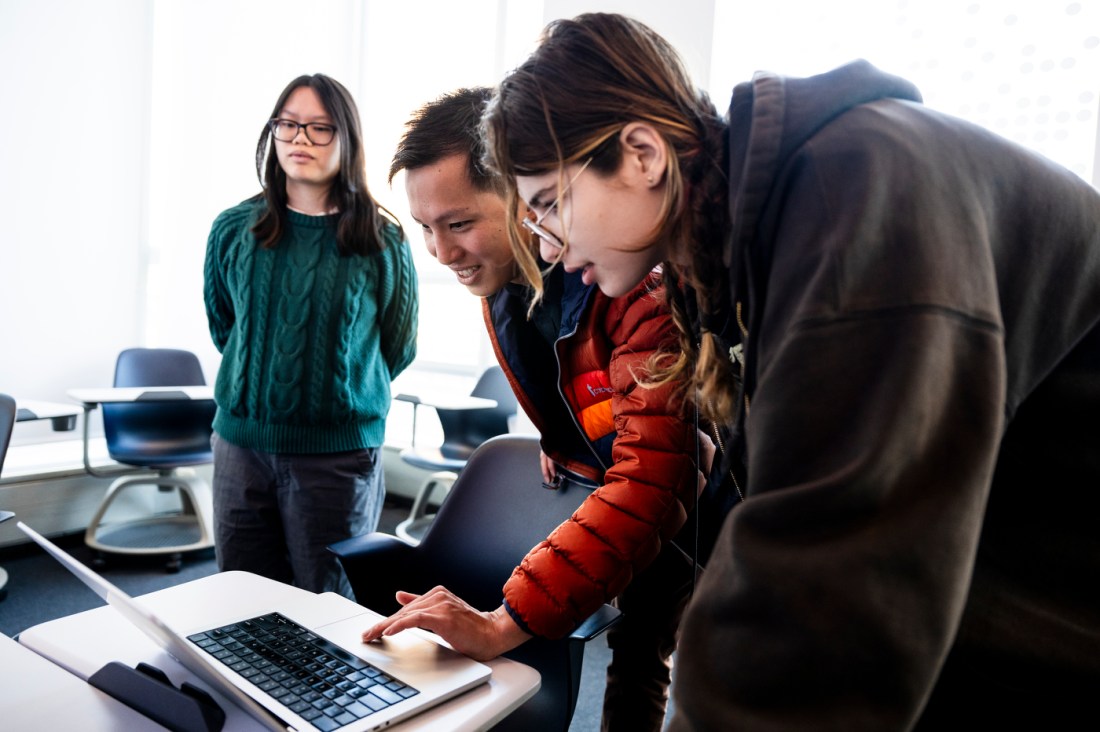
722	449
571	410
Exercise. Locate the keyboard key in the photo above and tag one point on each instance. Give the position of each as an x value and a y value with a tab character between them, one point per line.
374	702
325	724
385	694
358	710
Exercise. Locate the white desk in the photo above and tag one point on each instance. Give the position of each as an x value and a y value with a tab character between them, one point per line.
62	416
441	401
38	695
111	395
455	402
84	642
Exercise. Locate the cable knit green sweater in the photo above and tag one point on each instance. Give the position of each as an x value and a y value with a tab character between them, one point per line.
310	340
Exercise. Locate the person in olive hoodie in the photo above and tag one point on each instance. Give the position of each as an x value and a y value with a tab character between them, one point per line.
913	304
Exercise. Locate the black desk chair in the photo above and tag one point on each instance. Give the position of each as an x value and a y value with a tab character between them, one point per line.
463	431
165	437
7	421
495	513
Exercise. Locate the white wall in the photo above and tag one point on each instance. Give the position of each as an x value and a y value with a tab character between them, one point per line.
687	24
128	125
73	174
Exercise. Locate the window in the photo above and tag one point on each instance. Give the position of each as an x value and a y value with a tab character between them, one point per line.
1025	69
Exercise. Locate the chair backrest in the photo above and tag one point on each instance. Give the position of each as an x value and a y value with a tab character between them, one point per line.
165	434
464	430
7	422
495	513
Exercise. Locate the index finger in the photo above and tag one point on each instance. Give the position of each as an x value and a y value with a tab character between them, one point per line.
375	631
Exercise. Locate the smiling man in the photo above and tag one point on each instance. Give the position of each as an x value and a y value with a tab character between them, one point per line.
463	224
572	365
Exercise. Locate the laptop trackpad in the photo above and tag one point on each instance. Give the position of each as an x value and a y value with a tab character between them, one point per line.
413	656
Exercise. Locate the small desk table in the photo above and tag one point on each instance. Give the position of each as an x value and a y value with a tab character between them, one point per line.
85	642
111	395
92	398
62	416
439	401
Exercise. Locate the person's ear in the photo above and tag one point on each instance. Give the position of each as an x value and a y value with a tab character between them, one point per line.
645	153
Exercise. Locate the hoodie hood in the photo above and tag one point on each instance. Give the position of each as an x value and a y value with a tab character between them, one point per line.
772	116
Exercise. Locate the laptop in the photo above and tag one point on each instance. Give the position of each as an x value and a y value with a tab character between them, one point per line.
410	671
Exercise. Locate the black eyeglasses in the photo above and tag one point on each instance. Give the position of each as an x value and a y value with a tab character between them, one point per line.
535	225
285	130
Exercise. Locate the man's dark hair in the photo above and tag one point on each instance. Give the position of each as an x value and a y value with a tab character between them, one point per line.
449	125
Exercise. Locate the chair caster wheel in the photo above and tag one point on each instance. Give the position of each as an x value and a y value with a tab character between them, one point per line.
99	562
175	563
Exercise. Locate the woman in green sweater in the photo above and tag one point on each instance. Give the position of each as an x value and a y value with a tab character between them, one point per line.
311	298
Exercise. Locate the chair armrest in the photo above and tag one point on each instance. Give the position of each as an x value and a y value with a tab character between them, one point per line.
377	565
596	623
376	546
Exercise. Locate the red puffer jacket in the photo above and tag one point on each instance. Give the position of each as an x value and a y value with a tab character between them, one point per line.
637	443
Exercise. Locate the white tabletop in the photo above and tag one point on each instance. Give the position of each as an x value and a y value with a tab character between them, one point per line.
84	642
109	395
30	409
35	694
442	401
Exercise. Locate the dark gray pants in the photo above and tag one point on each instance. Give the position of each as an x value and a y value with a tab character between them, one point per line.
275	514
642	643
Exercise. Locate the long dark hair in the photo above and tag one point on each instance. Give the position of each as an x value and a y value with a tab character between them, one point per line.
360	228
589	77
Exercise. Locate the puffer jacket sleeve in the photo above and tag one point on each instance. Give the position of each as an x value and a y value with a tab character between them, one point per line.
620	528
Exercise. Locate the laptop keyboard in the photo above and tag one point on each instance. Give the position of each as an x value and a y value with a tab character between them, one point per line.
316	679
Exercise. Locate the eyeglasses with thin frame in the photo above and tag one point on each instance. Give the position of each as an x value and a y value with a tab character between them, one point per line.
535	225
285	130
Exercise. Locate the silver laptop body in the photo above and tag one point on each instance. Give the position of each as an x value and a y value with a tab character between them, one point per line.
437	672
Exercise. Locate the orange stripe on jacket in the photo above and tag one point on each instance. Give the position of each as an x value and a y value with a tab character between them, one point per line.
591	399
597	420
